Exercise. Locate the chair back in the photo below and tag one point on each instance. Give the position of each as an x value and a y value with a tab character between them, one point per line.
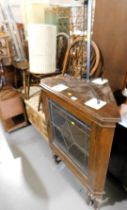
75	62
62	46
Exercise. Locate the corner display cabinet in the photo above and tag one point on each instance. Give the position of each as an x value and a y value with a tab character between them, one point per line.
79	135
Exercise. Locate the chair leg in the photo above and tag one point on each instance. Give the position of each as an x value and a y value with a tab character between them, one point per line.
28	86
24	83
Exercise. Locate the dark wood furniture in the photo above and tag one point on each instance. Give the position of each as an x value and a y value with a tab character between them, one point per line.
79	135
110	35
118	158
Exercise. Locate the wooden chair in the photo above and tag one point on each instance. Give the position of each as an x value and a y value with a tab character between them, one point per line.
62	45
74	63
76	58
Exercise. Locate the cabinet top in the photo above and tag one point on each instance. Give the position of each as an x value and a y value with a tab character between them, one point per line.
74	93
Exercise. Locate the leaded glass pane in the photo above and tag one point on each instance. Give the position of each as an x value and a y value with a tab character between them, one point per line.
71	135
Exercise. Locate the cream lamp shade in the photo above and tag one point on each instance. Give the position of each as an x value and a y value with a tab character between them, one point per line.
42	48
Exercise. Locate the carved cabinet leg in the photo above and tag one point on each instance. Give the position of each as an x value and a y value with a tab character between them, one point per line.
93	201
57	159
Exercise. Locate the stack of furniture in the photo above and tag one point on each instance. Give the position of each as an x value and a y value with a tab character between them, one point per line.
12	111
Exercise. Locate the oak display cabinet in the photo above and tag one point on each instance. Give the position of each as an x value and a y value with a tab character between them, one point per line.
79	135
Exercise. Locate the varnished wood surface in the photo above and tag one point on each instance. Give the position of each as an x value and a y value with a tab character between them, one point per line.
21	65
84	91
110	34
102	123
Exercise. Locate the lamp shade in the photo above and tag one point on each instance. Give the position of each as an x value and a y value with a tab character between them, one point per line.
42	48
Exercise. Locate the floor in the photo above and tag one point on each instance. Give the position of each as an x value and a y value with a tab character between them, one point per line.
31	180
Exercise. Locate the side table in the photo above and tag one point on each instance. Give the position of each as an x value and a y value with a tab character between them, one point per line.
12	111
22	66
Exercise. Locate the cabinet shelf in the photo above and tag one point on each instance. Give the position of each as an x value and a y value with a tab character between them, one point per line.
14	123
